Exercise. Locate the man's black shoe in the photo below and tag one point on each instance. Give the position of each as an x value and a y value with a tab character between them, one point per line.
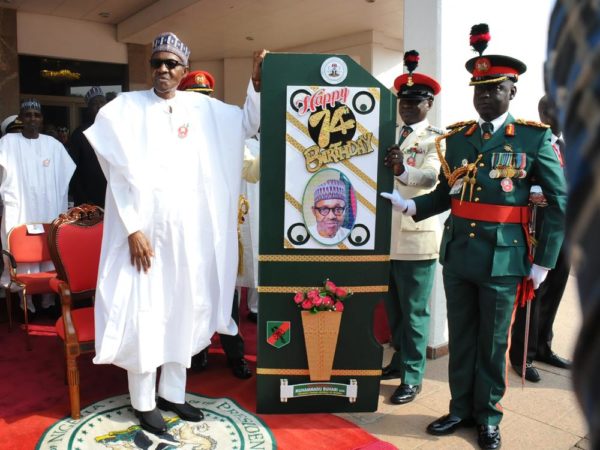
489	437
531	373
554	360
389	373
252	316
239	368
151	421
185	411
448	424
405	393
200	360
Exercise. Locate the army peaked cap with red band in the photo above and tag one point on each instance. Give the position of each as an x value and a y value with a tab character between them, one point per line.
416	85
198	81
494	68
490	68
413	85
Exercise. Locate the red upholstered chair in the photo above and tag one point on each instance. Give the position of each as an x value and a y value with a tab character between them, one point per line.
26	247
75	239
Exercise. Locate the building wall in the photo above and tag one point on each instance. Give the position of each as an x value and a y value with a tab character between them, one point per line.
236	75
138	71
59	37
9	64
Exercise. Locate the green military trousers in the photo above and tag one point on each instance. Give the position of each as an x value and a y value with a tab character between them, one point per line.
407	306
479	316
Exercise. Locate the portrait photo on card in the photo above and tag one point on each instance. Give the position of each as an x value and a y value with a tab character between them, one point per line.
329	206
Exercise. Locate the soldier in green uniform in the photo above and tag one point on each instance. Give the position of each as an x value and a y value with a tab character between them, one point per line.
414	246
486	176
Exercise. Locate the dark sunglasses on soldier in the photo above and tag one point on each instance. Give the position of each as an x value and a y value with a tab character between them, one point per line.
170	64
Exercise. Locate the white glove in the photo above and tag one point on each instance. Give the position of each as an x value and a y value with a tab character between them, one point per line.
397	200
538	275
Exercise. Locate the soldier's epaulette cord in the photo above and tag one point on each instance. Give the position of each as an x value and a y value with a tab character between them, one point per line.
462	124
454	128
532	123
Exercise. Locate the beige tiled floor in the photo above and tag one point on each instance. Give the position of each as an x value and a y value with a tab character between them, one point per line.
540	416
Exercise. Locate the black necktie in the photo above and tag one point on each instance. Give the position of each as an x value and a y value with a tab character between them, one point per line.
406	130
487	129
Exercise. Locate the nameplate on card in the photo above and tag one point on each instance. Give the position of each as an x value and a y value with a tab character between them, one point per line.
35	228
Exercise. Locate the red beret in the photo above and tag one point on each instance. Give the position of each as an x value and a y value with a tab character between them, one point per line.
197	81
416	85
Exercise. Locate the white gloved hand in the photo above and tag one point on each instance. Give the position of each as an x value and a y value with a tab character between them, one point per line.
538	274
397	200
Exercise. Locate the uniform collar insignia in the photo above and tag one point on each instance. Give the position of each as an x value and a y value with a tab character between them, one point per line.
509	130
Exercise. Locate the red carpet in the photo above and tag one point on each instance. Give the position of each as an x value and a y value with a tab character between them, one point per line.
33	394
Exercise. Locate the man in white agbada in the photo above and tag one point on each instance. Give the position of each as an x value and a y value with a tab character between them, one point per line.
35	170
167	271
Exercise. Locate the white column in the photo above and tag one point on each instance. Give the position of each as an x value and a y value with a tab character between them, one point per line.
422	32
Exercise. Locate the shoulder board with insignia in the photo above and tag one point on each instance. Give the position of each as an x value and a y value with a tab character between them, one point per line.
471	129
532	123
461	124
435	129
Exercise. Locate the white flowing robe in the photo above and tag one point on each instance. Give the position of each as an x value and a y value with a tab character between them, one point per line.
35	175
173	169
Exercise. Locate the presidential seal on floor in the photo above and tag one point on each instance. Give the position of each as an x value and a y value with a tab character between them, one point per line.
111	424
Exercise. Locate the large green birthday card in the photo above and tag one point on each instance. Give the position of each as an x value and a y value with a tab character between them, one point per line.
324	233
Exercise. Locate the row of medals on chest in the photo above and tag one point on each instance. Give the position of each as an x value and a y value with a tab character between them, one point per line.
505	167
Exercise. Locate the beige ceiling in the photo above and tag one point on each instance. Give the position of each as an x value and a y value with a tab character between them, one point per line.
81	9
230	28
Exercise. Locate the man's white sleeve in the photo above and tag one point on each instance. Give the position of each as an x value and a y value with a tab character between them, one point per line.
251	119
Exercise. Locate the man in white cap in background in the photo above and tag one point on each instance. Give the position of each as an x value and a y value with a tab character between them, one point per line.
173	162
88	184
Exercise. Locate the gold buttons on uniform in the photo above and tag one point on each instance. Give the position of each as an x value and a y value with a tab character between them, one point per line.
515	241
471	235
478	188
473	224
476	199
481	165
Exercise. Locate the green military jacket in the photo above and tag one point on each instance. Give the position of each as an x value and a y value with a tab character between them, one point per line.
491	248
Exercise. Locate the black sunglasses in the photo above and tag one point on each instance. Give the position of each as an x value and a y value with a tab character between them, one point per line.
170	64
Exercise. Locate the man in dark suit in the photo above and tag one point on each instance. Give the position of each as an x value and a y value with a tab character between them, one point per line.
486	176
550	292
88	184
